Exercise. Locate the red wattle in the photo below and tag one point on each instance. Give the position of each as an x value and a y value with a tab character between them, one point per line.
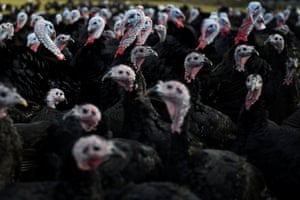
119	52
89	41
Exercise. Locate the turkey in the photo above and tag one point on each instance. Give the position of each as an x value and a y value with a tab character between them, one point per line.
78	176
90	62
209	31
54	97
282	90
143	123
140	164
226	86
195	167
268	146
48	140
11	142
206	124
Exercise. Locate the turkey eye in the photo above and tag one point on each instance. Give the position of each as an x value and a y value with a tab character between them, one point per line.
276	38
120	72
195	58
60	94
93	113
189	59
169	87
56	93
127	73
3	94
84	111
244	49
141	50
96	148
179	90
94	23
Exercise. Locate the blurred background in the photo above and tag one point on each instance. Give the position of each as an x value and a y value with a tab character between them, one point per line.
205	5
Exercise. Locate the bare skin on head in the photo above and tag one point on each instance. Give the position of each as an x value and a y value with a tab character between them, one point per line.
95	29
131	26
177	99
193	63
90	152
46	33
277	41
123	75
62	41
54	97
254	85
21	21
88	115
209	30
292	67
6	31
138	55
9	97
161	31
33	42
241	55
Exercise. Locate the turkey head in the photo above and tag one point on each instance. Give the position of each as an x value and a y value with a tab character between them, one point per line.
88	115
254	85
90	152
177	99
193	63
123	75
241	55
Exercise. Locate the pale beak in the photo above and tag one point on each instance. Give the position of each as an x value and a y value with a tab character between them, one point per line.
68	114
106	76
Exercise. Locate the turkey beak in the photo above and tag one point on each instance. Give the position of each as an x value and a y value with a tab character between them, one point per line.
117	152
251	15
20	100
208	62
256	52
24	102
155	53
106	76
266	41
151	91
65	100
68	114
72	40
253	87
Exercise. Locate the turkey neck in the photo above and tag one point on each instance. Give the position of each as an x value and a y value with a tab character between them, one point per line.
84	184
256	65
137	110
178	160
142	123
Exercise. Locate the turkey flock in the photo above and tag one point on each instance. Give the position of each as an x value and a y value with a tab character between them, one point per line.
141	102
